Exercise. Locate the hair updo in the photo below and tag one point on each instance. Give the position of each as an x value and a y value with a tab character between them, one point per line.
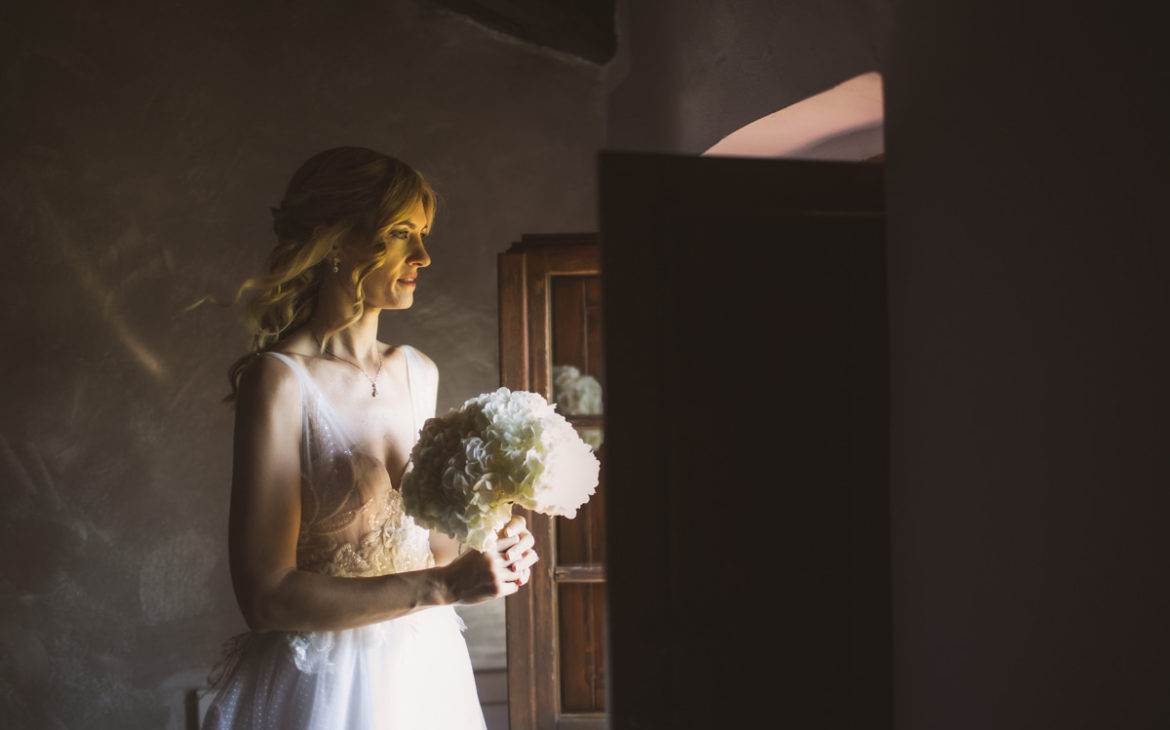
335	194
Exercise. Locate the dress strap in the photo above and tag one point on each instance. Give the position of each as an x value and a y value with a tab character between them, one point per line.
292	364
309	386
303	377
423	390
306	383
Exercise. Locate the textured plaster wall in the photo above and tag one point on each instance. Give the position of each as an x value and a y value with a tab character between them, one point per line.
690	73
143	143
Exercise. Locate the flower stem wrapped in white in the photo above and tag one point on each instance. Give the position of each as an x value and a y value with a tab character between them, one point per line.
471	465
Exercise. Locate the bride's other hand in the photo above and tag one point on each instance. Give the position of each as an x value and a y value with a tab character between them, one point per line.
515	546
477	576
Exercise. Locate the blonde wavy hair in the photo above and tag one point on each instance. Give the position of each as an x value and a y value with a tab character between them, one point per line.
336	194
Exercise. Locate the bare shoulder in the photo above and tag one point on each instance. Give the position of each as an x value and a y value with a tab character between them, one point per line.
268	384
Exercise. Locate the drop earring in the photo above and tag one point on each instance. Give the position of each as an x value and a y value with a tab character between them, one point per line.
336	267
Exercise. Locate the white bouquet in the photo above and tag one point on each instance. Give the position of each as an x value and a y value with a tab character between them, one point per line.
471	465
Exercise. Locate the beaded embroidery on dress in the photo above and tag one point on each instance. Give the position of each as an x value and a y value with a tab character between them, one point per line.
408	672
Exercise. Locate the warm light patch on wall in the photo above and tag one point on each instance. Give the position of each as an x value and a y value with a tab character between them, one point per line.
103	297
844	122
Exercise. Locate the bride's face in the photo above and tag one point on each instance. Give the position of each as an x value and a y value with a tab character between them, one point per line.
392	285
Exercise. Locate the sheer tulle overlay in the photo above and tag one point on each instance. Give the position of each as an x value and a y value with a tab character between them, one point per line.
408	672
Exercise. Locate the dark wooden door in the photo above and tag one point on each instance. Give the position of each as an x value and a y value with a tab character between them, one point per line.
551	343
746	443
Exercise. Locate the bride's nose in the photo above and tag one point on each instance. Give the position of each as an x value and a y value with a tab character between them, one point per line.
418	254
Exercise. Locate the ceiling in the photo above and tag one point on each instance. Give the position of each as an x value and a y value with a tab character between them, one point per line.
582	28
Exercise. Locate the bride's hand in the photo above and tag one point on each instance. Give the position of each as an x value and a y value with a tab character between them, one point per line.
477	576
515	546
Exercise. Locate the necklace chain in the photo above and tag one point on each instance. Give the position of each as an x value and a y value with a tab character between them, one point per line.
373	380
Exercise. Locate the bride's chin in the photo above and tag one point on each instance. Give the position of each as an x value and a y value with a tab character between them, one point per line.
398	303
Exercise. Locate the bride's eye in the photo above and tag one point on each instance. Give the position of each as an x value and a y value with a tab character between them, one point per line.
400	233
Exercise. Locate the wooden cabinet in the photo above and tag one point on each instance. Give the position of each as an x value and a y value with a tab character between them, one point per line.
551	343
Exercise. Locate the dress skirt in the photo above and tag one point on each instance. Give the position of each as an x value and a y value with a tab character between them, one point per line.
408	673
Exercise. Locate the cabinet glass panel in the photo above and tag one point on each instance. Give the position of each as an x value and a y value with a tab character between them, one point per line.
577	377
577	381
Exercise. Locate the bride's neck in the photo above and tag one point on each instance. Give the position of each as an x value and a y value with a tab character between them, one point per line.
358	341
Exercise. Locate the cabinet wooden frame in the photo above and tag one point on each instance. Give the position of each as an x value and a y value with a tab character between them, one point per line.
525	315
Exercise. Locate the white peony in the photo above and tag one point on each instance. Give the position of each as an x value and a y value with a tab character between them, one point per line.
471	465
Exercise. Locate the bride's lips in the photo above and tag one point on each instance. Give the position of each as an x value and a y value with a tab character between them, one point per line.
408	281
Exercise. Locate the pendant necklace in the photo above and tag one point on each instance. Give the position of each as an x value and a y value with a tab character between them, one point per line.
373	380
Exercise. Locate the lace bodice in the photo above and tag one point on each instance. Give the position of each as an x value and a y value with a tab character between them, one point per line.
353	522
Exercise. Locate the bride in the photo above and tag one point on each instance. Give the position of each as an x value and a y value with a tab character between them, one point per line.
348	601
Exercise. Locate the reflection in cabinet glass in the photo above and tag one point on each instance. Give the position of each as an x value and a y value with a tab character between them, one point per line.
551	343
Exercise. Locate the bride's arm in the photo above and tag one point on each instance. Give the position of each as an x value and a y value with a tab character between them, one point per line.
265	519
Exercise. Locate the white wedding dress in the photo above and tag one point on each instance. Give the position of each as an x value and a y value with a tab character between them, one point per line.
406	673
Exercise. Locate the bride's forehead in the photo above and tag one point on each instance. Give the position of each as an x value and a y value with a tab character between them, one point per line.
416	217
421	214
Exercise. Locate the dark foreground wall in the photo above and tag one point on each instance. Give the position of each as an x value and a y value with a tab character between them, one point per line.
143	144
1026	157
1026	172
